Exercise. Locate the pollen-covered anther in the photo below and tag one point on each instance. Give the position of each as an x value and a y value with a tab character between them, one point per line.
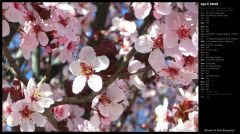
26	112
183	32
86	69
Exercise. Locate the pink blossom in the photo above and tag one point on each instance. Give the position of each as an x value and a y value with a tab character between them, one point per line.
181	29
108	104
61	112
85	67
169	69
38	95
74	119
24	114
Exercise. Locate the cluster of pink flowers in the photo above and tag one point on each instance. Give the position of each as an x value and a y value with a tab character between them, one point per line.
167	49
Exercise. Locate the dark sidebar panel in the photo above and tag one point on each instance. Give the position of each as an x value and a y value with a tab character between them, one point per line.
219	66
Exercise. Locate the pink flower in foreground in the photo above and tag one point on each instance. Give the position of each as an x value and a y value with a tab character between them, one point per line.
180	33
24	114
154	39
141	9
85	67
109	105
38	95
169	69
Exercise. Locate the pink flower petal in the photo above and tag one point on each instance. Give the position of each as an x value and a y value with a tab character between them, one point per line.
144	44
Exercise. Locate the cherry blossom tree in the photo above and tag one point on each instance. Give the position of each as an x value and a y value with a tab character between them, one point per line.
117	66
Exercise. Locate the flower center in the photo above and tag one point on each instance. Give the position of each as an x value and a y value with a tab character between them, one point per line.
8	109
37	28
17	5
172	71
72	116
188	60
86	69
183	32
59	111
63	21
36	95
104	99
158	42
71	46
30	16
26	112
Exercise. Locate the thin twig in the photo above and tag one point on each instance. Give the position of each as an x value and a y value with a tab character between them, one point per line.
13	63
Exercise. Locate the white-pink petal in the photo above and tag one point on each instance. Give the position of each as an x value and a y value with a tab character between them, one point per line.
78	84
95	82
38	119
42	38
103	63
144	44
163	8
5	28
141	9
27	125
157	60
75	68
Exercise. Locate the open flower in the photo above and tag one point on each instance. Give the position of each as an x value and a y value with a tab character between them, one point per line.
38	95
108	105
180	33
85	67
24	114
169	69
